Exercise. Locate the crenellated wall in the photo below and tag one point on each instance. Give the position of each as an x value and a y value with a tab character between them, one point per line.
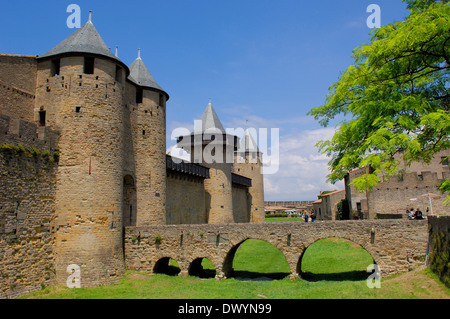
17	86
395	195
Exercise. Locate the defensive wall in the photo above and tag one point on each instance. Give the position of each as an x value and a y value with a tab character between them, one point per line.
28	166
439	250
394	195
395	245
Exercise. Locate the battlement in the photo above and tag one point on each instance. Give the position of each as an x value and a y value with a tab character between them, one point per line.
16	131
412	180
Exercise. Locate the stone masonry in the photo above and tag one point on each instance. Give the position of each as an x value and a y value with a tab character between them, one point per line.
395	245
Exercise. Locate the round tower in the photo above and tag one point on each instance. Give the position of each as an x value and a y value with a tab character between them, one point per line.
249	163
149	134
210	146
80	87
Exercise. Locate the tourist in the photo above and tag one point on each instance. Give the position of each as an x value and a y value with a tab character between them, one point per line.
410	213
306	217
418	214
313	217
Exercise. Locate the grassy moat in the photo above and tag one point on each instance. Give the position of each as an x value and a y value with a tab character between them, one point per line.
332	268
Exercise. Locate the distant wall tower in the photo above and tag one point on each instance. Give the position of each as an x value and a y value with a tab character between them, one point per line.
80	86
248	162
210	146
149	146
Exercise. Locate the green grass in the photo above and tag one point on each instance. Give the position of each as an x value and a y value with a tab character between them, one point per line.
331	265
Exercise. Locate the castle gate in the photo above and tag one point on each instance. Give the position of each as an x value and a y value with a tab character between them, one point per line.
395	245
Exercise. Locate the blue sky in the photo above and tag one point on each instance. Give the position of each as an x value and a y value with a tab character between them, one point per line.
268	62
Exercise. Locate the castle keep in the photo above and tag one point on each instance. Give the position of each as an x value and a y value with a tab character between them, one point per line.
84	155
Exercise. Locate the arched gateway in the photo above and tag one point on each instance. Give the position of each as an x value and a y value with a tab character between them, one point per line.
395	245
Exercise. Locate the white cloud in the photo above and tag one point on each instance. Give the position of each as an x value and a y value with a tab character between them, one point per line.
178	153
302	169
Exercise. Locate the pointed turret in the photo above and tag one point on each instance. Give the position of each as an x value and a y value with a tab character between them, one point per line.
140	75
248	144
84	40
209	121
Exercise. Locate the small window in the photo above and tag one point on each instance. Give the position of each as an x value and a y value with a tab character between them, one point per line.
143	132
445	160
89	65
55	67
139	95
118	74
42	118
77	109
162	100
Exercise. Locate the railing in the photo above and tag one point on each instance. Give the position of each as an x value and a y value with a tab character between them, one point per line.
187	168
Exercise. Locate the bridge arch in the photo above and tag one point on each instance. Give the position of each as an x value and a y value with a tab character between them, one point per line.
164	266
339	240
196	268
258	244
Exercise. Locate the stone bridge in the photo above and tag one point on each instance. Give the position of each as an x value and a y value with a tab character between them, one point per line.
395	245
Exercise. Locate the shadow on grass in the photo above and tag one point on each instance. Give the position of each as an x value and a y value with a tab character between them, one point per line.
257	276
341	276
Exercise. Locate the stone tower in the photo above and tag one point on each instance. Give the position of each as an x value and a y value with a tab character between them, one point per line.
210	146
80	93
248	162
149	136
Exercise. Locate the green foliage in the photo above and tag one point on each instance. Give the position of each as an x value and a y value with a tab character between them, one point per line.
158	239
56	155
30	152
343	209
395	98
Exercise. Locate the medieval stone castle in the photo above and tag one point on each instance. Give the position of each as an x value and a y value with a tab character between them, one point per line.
84	155
86	184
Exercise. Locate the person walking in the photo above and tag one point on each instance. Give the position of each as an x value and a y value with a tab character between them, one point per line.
313	217
306	217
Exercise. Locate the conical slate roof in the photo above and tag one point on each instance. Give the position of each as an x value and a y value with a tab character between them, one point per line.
140	75
209	121
248	144
84	40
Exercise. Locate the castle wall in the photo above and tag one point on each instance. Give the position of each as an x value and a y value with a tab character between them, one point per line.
241	204
394	196
185	200
27	211
439	247
219	196
149	151
435	165
252	168
17	86
87	109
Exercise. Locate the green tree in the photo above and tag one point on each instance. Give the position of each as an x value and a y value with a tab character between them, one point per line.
395	99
